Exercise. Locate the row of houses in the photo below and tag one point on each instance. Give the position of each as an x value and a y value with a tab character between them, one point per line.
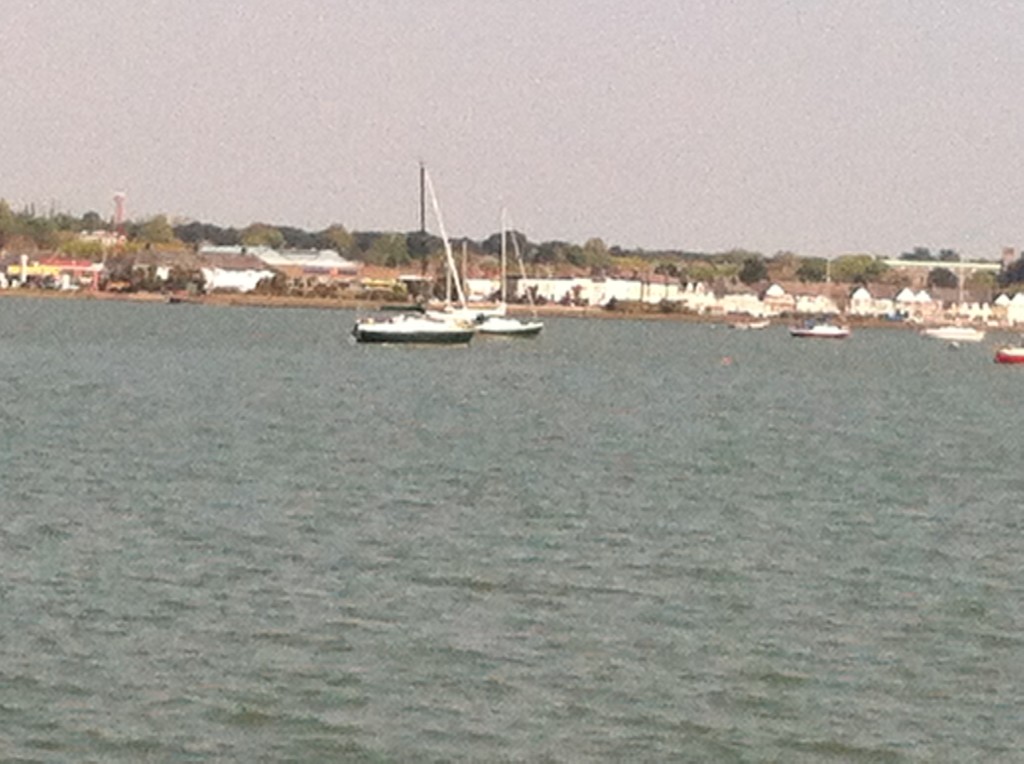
241	269
238	269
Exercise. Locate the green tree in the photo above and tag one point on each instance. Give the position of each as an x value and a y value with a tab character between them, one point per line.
813	269
8	223
388	249
156	230
42	230
942	277
919	253
595	254
262	235
702	272
552	252
753	270
91	221
338	238
86	250
857	269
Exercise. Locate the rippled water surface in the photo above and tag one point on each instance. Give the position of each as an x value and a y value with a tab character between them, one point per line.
230	534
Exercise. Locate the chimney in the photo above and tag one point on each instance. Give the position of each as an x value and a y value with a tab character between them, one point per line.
1009	257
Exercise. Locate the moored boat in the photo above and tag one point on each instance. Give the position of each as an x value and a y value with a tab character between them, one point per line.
763	323
405	328
1010	354
500	324
509	327
821	330
954	333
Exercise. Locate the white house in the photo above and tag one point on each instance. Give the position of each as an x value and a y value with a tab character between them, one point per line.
777	301
863	303
1015	309
816	304
239	273
746	303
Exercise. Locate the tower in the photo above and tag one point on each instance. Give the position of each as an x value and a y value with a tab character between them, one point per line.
119	198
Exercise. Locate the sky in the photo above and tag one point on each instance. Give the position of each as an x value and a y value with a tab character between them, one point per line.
821	127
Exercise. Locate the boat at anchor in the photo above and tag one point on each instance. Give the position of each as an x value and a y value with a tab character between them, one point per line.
406	328
823	330
954	333
1010	354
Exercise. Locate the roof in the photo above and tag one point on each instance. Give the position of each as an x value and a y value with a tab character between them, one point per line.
163	257
233	262
307	259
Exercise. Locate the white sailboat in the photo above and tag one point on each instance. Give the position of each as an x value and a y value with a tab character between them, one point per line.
406	328
433	327
461	312
502	325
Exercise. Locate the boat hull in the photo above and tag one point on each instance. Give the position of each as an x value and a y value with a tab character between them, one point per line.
1010	355
404	329
954	333
820	332
380	336
747	325
509	327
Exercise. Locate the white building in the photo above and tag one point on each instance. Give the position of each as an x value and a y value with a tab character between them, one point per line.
1015	309
236	269
863	303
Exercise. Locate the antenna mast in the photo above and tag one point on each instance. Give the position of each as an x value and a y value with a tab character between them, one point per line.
423	205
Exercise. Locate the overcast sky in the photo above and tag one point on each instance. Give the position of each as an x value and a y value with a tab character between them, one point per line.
820	127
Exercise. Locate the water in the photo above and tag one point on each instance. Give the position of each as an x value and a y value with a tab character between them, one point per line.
230	534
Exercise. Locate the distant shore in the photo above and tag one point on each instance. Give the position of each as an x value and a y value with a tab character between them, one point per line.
367	306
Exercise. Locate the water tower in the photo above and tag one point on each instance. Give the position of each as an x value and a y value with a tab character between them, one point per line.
119	197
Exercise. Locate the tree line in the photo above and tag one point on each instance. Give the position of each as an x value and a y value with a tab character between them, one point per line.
28	231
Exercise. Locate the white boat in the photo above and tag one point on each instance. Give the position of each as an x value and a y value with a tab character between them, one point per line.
406	328
500	325
820	330
465	311
509	327
954	333
468	314
450	326
763	323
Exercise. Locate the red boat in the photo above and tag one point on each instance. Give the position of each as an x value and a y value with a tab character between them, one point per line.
1010	355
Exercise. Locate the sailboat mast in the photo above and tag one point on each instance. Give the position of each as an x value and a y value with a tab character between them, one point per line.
464	267
522	273
423	200
504	256
449	258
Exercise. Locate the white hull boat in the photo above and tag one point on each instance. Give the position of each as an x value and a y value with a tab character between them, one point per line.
412	329
822	331
954	333
509	327
499	325
745	325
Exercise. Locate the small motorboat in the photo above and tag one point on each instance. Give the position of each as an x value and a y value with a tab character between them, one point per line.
1010	354
823	330
509	327
954	333
763	323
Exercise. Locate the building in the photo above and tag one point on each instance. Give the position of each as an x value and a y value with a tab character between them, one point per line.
55	272
231	269
309	268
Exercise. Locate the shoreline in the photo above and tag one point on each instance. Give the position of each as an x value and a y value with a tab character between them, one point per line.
331	303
